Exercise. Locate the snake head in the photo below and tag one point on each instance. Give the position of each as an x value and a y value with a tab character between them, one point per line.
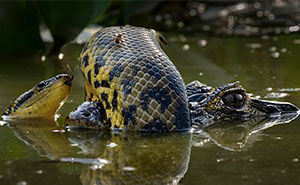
42	101
87	115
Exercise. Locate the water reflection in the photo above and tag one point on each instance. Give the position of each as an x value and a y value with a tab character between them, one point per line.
105	158
39	134
131	157
234	136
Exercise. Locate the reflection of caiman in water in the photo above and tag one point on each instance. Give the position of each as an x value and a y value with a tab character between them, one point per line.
234	135
133	158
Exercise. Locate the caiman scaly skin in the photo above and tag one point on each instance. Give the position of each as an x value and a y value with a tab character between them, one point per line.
139	87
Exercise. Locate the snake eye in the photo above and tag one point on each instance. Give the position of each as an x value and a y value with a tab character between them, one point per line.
86	114
234	99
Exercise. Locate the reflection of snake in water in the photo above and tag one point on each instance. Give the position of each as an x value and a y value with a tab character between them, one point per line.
132	158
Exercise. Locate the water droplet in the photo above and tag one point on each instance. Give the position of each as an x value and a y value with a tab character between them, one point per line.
193	13
256	5
247	20
269	89
39	172
259	13
223	13
180	24
112	145
60	56
241	6
294	28
43	58
283	50
201	8
22	183
272	49
220	160
266	13
275	54
271	17
185	47
129	168
202	42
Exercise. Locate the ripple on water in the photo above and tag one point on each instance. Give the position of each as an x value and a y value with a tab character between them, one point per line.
2	123
22	183
276	95
289	90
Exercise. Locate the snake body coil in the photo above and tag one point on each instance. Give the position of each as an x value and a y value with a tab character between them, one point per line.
126	70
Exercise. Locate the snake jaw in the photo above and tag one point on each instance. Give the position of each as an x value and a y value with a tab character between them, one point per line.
43	100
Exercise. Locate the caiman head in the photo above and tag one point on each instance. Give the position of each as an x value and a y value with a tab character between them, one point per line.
230	102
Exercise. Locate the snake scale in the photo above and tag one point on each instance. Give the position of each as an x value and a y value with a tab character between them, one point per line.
139	87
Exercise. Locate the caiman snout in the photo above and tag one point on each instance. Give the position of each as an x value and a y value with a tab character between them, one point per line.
272	107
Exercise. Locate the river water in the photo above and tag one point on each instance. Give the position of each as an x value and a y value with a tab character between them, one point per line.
256	152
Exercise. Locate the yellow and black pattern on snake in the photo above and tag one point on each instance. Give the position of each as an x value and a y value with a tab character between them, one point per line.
139	87
41	101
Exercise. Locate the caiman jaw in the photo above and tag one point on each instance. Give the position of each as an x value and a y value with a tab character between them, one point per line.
230	101
272	107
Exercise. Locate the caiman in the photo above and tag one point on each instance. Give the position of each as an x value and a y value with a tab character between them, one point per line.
131	84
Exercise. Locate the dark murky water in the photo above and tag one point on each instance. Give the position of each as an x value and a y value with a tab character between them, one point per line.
41	152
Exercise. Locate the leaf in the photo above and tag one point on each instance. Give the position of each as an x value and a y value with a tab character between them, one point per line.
19	29
67	19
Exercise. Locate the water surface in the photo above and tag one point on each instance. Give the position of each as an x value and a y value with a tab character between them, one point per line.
41	152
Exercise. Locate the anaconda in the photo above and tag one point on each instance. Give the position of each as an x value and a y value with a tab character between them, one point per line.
130	83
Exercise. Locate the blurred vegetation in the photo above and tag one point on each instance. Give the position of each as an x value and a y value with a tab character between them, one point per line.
20	20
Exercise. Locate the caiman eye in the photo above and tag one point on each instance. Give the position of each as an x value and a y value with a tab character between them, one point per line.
234	99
